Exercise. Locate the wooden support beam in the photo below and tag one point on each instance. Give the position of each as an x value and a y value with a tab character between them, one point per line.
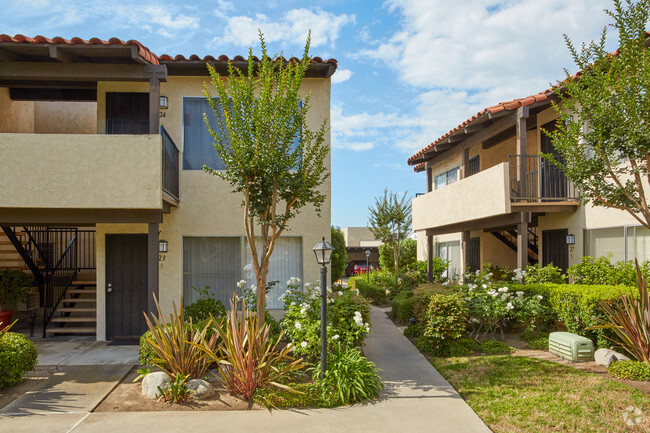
429	179
154	104
62	55
36	216
135	55
522	149
494	222
152	266
8	56
464	164
522	240
80	72
430	258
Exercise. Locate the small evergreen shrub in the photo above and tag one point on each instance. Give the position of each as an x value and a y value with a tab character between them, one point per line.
422	295
463	346
413	331
446	317
17	356
205	306
402	306
371	291
546	274
602	271
631	370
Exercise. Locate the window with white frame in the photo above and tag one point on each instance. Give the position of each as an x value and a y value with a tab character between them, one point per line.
450	251
221	262
447	178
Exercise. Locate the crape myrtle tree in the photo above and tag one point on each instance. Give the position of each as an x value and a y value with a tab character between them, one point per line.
390	221
339	255
272	157
603	134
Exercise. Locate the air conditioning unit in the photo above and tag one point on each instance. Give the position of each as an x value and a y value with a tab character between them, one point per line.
571	347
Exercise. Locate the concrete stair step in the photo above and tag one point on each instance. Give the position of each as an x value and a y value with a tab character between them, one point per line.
76	310
80	300
84	283
73	330
82	291
74	319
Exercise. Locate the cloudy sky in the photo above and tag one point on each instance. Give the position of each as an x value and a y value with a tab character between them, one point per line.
409	70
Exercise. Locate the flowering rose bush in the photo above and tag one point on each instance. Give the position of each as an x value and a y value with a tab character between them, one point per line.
347	318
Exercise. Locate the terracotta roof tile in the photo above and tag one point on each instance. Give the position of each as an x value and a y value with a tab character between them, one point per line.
224	58
144	52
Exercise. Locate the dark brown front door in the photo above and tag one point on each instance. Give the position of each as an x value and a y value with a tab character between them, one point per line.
127	113
126	285
474	254
555	249
553	181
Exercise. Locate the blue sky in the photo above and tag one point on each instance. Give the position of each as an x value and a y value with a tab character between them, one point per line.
409	70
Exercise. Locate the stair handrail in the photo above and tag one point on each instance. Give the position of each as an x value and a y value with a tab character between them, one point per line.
48	310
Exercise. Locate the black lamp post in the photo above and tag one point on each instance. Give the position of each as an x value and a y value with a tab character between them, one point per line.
368	266
323	251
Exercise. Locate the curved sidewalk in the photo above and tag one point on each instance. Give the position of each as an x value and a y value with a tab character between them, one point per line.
416	399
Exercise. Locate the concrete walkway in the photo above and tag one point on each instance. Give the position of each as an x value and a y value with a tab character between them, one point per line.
416	399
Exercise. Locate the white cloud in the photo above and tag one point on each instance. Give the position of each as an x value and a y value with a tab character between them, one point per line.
291	28
160	15
342	75
355	146
466	56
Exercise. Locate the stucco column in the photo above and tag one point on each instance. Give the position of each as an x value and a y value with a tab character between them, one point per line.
522	240
152	266
465	253
522	149
429	258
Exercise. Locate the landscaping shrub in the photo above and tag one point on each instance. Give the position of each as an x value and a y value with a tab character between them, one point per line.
303	395
534	274
407	281
350	377
577	306
370	291
413	331
348	316
402	306
421	296
205	306
601	271
536	340
445	318
17	356
463	346
631	370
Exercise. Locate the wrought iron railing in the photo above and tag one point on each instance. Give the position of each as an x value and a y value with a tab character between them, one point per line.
541	181
170	164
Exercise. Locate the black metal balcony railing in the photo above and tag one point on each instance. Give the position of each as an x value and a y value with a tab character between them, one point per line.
170	164
542	180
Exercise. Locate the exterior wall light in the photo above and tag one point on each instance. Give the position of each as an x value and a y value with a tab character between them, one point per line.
162	246
570	239
164	102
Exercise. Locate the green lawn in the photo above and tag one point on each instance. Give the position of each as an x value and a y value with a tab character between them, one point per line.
518	394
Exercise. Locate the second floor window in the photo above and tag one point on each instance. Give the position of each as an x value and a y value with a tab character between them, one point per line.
446	178
197	141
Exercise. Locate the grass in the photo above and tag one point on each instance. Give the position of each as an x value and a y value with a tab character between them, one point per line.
519	394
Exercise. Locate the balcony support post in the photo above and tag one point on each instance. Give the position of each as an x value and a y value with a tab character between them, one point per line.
464	163
152	266
522	240
154	103
465	253
430	258
522	115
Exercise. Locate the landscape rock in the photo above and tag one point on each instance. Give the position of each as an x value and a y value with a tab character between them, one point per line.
607	356
200	389
152	381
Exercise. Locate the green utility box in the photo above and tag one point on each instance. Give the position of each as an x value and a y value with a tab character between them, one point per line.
571	347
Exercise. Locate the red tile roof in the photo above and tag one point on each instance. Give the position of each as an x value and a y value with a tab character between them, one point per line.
501	106
144	52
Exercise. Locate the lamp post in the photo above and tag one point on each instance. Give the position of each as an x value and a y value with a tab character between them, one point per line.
323	251
368	266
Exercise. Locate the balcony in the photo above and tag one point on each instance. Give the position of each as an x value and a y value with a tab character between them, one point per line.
494	197
88	174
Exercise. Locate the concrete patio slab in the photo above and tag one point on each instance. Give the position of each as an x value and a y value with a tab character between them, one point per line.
82	352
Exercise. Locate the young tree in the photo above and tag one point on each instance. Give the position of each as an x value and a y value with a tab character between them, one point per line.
408	255
339	255
602	134
272	157
390	221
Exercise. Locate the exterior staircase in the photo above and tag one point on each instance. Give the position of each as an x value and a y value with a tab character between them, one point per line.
9	257
77	311
509	238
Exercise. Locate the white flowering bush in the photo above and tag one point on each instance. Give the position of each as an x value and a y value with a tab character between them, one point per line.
347	318
492	306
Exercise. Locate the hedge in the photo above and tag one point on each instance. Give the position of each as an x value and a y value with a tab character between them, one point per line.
369	291
17	357
402	307
577	306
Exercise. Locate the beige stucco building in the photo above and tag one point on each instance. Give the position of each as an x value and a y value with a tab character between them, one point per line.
491	198
105	141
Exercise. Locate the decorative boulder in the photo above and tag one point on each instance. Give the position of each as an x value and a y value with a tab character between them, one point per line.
200	389
607	356
152	381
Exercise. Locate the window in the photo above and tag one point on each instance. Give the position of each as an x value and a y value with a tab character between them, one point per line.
473	166
197	141
221	262
447	178
602	242
450	251
198	149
